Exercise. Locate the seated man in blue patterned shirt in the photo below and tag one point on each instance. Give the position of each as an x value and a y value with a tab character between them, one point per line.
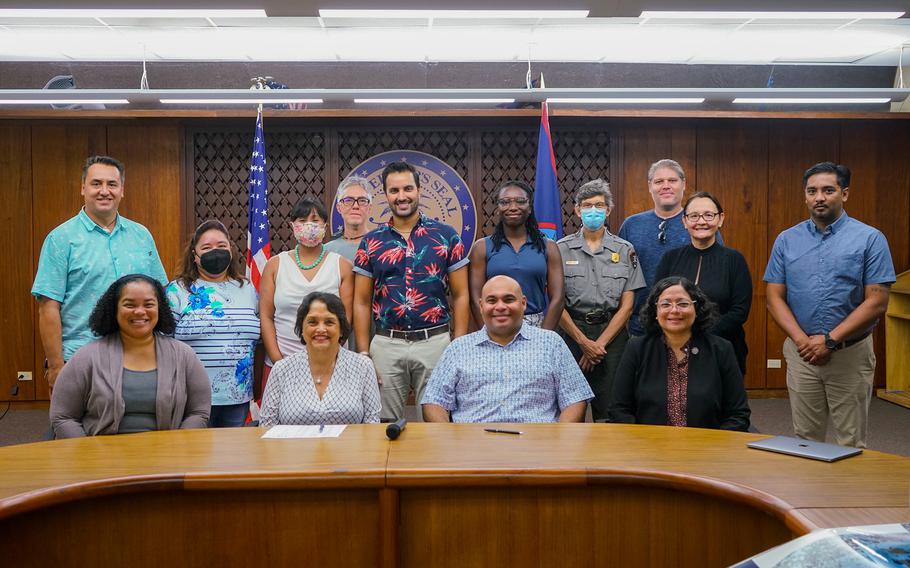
508	371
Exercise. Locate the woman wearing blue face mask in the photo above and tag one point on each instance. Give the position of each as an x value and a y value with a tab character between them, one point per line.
601	275
519	250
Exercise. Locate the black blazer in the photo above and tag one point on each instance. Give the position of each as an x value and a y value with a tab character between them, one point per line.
715	396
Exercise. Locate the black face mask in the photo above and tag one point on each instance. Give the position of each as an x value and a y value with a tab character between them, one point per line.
215	261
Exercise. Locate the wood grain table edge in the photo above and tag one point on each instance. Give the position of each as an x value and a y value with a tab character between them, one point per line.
93	489
367	479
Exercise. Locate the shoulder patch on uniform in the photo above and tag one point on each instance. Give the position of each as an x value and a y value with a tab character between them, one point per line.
633	258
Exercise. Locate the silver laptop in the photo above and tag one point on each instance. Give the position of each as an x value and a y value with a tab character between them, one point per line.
805	448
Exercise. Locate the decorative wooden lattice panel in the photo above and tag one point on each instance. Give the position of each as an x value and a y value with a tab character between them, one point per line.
581	155
296	166
300	160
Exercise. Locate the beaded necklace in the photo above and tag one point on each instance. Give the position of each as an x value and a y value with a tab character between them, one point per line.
308	266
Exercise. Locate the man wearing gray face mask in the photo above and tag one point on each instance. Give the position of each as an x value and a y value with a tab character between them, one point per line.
601	273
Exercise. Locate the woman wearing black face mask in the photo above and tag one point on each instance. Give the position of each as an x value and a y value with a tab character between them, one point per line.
217	314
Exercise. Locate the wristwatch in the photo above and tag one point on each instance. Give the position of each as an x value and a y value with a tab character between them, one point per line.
830	344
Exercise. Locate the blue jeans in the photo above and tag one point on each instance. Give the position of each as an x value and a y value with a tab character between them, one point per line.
228	415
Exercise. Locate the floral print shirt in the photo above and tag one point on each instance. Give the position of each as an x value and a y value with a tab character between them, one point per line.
410	277
220	321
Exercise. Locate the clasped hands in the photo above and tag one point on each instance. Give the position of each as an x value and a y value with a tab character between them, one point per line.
812	350
592	353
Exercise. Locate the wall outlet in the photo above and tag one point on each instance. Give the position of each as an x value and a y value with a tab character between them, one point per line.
23	375
774	363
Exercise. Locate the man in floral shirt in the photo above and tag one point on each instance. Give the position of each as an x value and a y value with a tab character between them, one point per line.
404	271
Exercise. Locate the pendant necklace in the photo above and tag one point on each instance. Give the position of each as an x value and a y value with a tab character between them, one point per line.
308	266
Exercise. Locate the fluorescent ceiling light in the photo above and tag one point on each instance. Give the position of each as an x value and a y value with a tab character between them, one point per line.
126	13
807	101
433	101
64	102
713	15
455	14
235	101
633	100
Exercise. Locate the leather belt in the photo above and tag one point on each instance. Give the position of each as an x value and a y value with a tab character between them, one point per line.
851	342
594	317
415	335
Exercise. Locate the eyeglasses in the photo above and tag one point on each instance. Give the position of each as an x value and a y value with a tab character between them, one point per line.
682	306
598	206
707	216
507	201
662	232
350	201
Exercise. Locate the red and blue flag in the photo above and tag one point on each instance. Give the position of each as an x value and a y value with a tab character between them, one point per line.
547	205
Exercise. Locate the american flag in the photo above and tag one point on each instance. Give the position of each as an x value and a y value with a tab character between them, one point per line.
258	247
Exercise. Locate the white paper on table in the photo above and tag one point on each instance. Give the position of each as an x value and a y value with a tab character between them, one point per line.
295	431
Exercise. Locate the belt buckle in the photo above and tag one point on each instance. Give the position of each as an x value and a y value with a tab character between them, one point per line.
590	317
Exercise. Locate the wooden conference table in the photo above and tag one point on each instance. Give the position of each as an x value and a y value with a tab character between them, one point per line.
441	495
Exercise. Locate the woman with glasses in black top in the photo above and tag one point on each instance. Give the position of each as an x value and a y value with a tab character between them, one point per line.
719	271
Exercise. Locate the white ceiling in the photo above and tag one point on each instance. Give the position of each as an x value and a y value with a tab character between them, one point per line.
619	40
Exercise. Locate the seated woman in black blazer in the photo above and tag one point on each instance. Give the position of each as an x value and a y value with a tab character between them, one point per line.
677	374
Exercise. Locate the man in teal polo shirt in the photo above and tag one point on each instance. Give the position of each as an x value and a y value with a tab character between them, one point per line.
82	257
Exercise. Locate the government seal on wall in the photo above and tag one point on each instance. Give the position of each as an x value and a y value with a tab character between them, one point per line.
444	195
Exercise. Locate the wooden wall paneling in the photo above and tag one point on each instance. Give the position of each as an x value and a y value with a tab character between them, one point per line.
877	154
189	186
733	166
793	147
151	153
59	150
17	351
645	142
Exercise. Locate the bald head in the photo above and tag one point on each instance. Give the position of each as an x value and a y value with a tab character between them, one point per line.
503	306
501	283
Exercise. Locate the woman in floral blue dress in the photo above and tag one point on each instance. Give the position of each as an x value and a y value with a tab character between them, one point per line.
217	314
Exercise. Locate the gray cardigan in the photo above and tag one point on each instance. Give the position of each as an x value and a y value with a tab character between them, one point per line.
88	398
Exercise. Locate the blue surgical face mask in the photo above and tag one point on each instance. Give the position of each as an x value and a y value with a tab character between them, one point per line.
593	218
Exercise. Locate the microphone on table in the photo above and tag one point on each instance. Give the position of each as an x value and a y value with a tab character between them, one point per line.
394	429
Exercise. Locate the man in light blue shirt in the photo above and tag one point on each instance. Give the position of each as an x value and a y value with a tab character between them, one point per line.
508	371
828	283
82	257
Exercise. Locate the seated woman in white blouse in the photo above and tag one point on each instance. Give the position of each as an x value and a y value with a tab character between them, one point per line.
325	383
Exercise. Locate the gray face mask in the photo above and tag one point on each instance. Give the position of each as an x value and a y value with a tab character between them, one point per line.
215	261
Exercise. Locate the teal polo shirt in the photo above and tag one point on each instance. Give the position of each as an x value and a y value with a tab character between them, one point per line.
79	261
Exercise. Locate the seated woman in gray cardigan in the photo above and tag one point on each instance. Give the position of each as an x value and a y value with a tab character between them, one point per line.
677	374
133	378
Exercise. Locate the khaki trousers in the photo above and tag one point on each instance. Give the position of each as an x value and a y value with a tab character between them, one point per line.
842	387
404	365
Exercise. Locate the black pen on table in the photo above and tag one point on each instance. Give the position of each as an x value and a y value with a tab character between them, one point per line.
501	431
